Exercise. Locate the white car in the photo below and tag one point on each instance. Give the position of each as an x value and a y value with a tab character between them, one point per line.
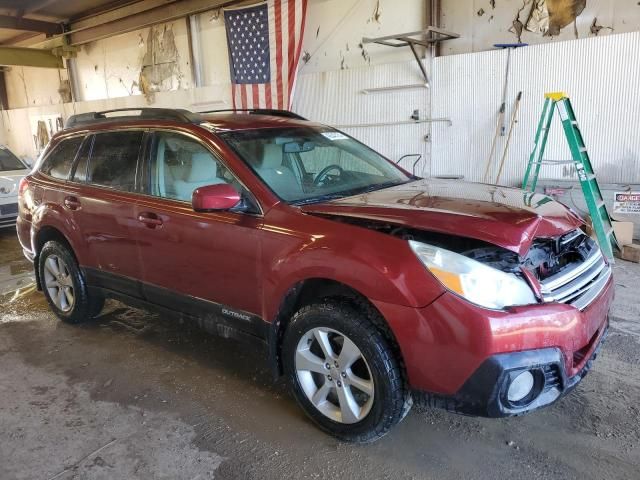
12	170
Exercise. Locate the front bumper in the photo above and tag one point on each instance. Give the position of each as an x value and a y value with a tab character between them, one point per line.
485	393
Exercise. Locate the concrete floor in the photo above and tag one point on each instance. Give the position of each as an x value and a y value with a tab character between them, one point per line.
133	395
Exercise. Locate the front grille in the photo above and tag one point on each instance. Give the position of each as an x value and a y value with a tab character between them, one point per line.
10	209
7	222
580	281
552	377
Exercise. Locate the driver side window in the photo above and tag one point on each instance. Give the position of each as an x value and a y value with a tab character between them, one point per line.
179	165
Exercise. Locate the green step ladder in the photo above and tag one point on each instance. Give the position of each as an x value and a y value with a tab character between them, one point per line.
602	224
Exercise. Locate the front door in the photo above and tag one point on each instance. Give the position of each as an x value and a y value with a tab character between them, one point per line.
205	264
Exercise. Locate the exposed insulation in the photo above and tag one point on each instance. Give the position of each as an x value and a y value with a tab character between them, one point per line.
547	17
160	62
538	18
563	13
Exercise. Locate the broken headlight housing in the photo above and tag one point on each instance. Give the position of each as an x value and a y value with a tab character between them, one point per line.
478	283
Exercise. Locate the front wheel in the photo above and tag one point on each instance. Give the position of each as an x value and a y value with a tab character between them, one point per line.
343	373
64	286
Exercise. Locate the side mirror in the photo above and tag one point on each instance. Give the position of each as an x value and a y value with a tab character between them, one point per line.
213	198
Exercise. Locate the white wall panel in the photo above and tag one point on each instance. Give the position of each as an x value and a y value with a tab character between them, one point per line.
602	76
336	98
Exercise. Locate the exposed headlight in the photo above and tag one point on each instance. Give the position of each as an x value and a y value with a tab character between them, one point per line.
475	281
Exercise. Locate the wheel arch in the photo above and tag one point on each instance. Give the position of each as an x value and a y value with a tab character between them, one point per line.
46	234
309	290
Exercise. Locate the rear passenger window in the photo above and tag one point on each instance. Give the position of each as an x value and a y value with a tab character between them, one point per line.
114	158
58	163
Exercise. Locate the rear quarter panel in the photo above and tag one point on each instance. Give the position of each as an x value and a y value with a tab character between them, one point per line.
48	211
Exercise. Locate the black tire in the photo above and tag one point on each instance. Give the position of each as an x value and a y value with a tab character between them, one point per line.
85	306
391	399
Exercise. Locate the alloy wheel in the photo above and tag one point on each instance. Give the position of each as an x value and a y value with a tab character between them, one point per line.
334	375
58	282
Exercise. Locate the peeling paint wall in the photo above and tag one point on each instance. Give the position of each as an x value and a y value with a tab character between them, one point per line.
157	59
28	86
483	23
17	123
151	67
142	62
335	28
333	35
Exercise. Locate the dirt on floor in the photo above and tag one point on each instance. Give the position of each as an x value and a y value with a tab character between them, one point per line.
136	395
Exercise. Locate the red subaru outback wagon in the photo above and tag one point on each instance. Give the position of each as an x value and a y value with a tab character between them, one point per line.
369	287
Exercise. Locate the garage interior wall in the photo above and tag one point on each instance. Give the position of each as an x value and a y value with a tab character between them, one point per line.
152	67
323	97
483	23
601	75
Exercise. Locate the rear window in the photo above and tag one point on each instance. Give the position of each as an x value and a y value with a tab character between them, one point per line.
114	159
8	161
58	163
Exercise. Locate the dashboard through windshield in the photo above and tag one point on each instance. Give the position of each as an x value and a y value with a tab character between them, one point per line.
306	164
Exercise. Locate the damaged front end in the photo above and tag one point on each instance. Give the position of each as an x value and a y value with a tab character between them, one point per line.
569	268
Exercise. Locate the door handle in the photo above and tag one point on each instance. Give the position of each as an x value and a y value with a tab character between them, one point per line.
151	220
72	203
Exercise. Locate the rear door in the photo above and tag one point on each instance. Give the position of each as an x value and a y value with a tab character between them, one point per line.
51	187
104	206
205	264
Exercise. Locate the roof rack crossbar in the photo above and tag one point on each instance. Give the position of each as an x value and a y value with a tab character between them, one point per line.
176	115
260	111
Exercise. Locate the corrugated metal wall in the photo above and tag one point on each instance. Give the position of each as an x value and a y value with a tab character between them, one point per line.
336	98
602	76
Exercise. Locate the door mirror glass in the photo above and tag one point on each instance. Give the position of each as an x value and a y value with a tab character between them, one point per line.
211	198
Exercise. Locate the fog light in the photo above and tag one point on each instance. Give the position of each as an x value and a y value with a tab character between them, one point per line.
520	387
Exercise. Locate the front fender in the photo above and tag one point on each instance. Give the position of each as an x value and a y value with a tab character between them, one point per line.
379	266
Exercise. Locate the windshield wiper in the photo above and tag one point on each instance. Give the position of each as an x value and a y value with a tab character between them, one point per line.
321	198
348	193
379	186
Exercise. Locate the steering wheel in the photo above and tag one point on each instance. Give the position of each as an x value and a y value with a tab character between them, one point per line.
325	173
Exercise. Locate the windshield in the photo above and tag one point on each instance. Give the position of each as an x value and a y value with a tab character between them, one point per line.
305	165
8	161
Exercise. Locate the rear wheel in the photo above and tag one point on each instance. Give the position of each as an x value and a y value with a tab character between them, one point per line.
64	287
343	373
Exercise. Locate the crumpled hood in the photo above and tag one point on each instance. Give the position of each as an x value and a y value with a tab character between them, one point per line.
507	217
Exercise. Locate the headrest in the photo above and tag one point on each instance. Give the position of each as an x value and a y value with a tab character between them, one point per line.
272	156
203	168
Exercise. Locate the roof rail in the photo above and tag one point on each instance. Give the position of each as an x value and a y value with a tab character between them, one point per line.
171	114
261	111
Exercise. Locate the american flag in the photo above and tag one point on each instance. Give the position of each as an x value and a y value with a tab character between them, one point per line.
264	42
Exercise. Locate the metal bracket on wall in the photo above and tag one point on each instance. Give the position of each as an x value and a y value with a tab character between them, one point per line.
427	37
393	124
